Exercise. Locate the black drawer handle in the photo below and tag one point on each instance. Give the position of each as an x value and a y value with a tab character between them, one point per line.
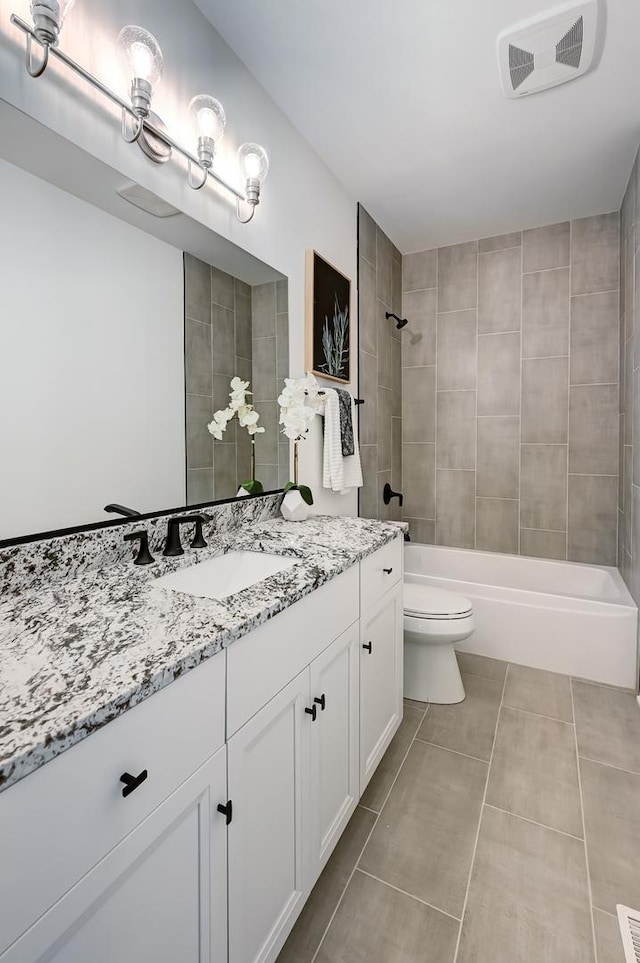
311	712
132	782
368	646
321	702
387	571
227	810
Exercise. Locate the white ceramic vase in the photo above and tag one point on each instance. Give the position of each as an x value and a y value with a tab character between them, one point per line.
294	508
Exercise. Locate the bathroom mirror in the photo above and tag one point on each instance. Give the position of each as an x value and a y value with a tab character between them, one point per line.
122	324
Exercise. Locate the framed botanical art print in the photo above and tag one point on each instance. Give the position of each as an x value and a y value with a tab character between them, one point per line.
328	320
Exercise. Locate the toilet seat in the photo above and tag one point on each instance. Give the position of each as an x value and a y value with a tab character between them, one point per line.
425	602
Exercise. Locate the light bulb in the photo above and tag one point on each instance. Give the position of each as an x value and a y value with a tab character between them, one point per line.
254	164
209	116
142	60
140	54
48	17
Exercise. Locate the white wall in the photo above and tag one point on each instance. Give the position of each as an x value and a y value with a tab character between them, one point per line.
303	205
91	362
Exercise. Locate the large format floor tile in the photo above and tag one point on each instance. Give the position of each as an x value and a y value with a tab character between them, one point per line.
536	691
534	771
607	725
528	898
608	939
305	936
382	779
423	840
468	727
611	800
376	924
480	665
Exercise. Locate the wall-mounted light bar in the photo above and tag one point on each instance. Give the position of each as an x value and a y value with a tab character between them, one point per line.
142	59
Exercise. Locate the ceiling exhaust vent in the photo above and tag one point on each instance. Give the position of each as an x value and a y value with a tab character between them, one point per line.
146	200
548	50
629	921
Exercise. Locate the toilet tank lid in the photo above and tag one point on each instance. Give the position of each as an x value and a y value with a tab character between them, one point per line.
426	601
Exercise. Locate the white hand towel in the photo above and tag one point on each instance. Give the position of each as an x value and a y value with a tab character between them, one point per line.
339	473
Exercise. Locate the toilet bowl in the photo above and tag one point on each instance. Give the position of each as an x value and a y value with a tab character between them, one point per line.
434	620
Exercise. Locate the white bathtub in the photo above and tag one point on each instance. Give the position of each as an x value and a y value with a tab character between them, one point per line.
561	616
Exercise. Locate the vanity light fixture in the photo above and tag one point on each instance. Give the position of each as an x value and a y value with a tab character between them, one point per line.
142	58
48	17
210	121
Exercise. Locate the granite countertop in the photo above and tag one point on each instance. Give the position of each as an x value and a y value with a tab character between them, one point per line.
80	652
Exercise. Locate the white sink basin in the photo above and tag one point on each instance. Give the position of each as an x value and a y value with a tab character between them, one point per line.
225	575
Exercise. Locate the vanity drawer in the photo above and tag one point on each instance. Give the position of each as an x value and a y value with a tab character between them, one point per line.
380	572
59	821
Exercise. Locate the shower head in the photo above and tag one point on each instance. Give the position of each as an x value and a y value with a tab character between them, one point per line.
400	322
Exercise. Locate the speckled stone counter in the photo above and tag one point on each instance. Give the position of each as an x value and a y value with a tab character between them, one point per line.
80	651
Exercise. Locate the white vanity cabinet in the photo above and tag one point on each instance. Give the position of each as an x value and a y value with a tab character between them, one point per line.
293	766
255	763
381	652
160	895
88	873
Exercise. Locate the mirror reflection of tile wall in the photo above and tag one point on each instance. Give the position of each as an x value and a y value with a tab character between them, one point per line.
232	329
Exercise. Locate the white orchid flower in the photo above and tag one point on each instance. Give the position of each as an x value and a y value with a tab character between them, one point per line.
247	415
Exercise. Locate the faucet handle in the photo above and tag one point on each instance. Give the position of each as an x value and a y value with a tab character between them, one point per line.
143	556
198	537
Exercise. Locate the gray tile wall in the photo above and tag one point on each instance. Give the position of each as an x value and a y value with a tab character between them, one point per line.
232	329
380	381
270	307
629	403
510	392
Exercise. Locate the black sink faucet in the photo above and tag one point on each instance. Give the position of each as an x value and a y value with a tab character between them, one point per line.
173	545
121	510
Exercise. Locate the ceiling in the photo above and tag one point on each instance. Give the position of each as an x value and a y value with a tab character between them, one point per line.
402	100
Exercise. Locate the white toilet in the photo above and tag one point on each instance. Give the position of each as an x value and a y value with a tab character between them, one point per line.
434	620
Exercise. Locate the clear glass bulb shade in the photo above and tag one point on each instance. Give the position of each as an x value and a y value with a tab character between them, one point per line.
254	162
208	114
140	54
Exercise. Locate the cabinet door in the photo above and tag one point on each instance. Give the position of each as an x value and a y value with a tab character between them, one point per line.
335	776
159	895
381	680
269	786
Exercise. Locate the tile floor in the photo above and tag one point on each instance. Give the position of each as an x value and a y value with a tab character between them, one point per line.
501	830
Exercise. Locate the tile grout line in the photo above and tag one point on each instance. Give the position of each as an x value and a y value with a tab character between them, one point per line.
584	830
475	842
608	765
533	822
405	893
366	842
532	712
456	752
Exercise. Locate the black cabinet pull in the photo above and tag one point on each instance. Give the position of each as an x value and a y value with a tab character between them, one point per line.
227	810
132	782
321	702
368	646
311	712
387	571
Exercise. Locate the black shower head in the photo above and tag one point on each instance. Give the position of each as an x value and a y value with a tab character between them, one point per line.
400	322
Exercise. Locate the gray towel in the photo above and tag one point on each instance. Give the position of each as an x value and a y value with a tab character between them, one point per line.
346	422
